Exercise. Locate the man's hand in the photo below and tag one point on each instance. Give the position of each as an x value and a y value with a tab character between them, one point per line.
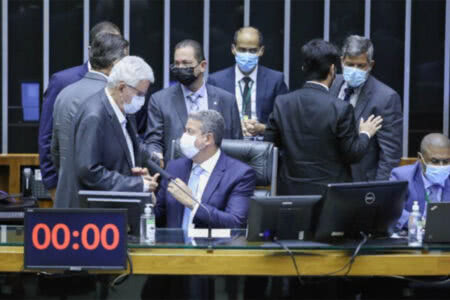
179	192
151	181
244	129
52	194
138	171
254	127
371	125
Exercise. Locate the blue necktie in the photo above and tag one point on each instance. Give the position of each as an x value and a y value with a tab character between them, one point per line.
193	185
348	93
194	106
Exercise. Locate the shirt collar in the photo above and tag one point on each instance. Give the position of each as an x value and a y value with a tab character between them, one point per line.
119	114
209	164
100	73
89	66
240	75
318	83
201	91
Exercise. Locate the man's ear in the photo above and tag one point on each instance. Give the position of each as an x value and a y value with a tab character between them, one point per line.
261	51
372	63
233	49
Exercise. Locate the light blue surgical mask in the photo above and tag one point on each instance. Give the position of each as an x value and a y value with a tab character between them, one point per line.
437	174
354	77
135	105
246	61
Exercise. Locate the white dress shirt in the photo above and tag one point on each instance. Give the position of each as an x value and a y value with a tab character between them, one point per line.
208	167
240	85
201	95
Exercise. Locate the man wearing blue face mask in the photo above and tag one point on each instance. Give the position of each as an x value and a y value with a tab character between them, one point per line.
107	153
254	85
428	178
370	96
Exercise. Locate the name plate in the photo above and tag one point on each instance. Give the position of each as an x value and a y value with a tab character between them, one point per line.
75	239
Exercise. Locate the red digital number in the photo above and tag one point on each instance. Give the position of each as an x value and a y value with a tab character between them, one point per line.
35	239
66	232
115	240
95	242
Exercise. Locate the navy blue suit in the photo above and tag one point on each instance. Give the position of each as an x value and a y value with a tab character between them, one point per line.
57	83
226	195
269	84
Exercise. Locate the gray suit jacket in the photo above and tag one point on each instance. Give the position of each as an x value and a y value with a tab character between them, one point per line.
66	107
385	149
167	116
102	159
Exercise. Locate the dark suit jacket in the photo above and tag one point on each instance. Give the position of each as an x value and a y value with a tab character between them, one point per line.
102	159
66	107
226	196
269	84
416	187
58	81
167	116
317	136
385	149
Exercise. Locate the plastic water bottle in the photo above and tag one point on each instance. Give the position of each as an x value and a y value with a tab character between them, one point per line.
148	226
415	227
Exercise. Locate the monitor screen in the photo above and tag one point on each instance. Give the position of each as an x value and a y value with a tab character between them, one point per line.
134	202
369	207
282	217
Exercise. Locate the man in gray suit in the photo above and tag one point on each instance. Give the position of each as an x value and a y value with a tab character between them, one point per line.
370	96
106	49
168	109
107	154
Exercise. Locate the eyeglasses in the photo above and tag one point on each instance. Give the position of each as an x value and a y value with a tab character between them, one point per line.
138	92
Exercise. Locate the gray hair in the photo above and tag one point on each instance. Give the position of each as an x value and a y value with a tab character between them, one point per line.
436	140
131	70
355	45
107	48
212	122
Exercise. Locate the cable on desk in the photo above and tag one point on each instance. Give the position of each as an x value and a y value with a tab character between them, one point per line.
300	280
122	277
434	282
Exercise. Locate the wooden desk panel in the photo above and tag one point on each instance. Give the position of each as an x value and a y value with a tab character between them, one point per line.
10	166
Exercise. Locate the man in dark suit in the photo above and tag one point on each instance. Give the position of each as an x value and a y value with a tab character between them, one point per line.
57	83
168	109
107	153
254	85
429	178
315	131
369	96
106	50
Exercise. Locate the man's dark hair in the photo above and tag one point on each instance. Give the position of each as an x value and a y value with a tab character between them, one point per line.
104	26
106	48
318	56
260	35
198	50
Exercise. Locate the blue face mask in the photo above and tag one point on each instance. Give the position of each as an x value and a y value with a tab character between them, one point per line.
437	174
134	106
246	61
354	77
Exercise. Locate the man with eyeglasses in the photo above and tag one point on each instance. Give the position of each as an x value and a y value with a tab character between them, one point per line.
168	109
428	178
254	85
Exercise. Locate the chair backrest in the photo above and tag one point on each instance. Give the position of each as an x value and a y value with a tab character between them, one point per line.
261	156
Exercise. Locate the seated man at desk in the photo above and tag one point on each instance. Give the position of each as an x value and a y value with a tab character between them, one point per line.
222	184
428	179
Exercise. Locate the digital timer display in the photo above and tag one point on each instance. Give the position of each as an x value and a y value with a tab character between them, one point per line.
75	238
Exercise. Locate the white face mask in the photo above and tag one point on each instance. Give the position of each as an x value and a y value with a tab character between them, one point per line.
135	105
187	145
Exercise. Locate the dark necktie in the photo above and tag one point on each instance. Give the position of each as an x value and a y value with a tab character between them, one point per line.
246	98
348	93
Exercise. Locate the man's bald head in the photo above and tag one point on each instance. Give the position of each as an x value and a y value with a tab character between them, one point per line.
435	147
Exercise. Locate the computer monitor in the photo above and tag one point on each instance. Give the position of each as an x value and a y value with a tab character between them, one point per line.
282	217
134	202
369	207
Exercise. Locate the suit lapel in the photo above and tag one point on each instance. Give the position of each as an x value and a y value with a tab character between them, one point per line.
363	99
230	80
213	100
336	86
214	179
117	128
132	131
419	187
184	175
261	89
180	104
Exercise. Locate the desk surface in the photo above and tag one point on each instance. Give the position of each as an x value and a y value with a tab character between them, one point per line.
235	256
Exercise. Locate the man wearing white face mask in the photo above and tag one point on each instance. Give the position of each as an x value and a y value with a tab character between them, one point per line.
108	155
254	85
428	178
370	96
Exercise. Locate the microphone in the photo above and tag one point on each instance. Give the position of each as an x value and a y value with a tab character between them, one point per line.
157	169
27	188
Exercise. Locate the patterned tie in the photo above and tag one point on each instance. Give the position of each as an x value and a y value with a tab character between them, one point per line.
246	98
193	102
348	93
193	185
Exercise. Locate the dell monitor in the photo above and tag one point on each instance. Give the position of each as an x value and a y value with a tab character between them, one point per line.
134	202
369	207
282	217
